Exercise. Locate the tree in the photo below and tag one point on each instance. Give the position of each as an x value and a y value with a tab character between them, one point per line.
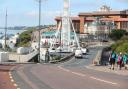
25	37
116	34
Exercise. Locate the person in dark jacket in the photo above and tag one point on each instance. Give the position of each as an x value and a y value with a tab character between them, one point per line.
112	59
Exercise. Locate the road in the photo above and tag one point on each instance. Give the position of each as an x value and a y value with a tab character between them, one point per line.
72	74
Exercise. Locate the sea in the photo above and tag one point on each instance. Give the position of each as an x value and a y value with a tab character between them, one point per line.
11	31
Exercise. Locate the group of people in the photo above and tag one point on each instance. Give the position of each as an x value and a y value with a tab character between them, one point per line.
118	58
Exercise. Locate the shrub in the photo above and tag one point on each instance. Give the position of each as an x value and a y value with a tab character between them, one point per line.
121	45
122	48
116	34
25	37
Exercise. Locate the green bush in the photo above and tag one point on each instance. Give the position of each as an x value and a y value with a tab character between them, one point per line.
116	34
121	45
56	58
122	48
25	37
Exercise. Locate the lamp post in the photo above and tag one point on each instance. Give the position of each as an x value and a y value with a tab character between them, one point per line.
5	42
60	43
39	27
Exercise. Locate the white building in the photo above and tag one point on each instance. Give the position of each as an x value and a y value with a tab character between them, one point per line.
96	27
10	40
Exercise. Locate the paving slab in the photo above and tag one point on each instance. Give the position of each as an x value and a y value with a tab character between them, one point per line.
5	80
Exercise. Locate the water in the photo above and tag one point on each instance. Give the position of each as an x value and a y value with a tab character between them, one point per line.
11	31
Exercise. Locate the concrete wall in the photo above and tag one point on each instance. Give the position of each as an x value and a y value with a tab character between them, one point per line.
24	50
21	58
4	56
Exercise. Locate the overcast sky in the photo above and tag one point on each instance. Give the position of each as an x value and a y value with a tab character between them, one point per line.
25	12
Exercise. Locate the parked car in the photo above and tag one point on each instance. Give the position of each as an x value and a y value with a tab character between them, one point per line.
78	53
52	50
84	50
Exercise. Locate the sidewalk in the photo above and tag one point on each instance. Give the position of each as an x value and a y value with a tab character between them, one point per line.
5	81
123	71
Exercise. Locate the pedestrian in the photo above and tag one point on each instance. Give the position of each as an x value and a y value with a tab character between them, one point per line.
120	60
116	59
125	57
112	58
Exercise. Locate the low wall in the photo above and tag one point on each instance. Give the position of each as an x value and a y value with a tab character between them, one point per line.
22	58
4	57
96	60
64	58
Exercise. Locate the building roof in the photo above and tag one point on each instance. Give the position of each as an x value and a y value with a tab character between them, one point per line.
122	19
105	13
73	18
90	18
114	19
52	33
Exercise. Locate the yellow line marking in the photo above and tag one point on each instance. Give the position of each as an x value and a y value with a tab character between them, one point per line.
12	80
10	77
15	85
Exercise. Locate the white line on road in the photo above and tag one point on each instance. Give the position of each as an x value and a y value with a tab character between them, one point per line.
79	74
83	75
103	80
63	69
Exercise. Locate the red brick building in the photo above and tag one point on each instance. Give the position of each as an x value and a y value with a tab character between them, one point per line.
119	18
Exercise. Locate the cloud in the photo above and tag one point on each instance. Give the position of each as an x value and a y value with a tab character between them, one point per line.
46	13
123	1
92	3
32	14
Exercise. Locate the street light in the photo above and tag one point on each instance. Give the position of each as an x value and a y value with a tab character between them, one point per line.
5	42
39	27
60	43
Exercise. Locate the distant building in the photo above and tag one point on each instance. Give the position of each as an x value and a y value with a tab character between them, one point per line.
10	40
35	34
109	20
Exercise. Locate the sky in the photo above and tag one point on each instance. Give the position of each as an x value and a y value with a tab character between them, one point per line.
25	12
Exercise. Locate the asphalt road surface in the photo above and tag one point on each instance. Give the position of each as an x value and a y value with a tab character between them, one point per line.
72	74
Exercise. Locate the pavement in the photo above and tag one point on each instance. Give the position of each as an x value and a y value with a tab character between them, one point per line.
123	71
5	80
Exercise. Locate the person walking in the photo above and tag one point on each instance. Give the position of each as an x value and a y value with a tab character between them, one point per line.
112	59
116	59
120	60
125	57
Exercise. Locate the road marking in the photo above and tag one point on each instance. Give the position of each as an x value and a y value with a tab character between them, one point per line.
10	74
103	80
10	77
63	69
12	80
83	75
79	74
15	85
